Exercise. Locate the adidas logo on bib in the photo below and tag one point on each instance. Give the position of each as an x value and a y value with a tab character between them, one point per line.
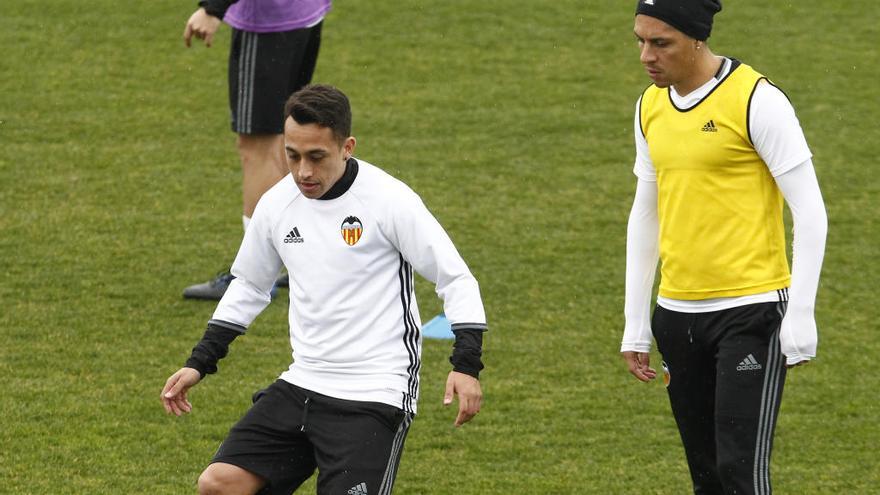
749	364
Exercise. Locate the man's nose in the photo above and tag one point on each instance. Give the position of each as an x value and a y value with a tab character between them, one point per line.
647	54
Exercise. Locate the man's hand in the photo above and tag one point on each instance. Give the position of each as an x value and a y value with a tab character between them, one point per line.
202	25
639	365
470	396
174	393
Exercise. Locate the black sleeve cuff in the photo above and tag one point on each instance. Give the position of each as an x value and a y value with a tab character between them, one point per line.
467	351
212	348
216	8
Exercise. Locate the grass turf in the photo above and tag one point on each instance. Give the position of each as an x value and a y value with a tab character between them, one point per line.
513	119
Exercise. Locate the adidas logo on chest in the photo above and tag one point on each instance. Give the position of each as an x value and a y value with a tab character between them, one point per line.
710	127
293	237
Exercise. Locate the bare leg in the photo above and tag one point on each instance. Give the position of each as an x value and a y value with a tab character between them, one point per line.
227	479
262	165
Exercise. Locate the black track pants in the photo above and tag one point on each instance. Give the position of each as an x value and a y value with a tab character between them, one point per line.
726	374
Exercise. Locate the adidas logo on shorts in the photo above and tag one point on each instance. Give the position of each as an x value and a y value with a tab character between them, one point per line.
749	364
360	489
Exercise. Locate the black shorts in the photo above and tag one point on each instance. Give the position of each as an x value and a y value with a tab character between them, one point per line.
291	431
264	70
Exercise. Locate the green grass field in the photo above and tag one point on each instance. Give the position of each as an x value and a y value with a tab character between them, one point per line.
119	185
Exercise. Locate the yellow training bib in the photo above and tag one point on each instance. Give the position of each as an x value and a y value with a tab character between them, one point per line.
720	211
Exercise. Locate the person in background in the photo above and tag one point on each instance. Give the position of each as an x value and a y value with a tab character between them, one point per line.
273	53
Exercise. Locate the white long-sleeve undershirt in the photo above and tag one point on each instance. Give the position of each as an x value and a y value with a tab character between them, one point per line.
800	188
779	141
642	254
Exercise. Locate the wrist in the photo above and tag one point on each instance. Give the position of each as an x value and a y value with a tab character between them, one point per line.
214	9
643	347
473	372
467	352
194	364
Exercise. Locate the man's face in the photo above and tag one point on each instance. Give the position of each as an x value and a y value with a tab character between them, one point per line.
314	156
667	54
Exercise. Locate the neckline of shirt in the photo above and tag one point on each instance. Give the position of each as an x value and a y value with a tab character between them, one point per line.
691	99
344	183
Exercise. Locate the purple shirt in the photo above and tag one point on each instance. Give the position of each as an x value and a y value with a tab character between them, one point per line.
272	16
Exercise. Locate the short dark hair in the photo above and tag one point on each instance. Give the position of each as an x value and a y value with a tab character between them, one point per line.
321	104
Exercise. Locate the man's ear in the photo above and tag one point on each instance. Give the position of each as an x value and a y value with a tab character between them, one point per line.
348	147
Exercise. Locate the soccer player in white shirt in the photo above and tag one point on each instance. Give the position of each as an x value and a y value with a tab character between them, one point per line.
350	236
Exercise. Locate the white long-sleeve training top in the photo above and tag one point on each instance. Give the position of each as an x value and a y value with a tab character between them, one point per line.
354	321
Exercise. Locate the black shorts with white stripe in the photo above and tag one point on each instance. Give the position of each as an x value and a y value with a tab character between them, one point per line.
725	374
264	70
290	431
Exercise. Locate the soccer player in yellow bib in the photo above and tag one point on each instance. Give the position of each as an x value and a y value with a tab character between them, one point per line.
718	149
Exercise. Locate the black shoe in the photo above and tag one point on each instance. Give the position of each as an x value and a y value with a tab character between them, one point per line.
283	280
211	290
